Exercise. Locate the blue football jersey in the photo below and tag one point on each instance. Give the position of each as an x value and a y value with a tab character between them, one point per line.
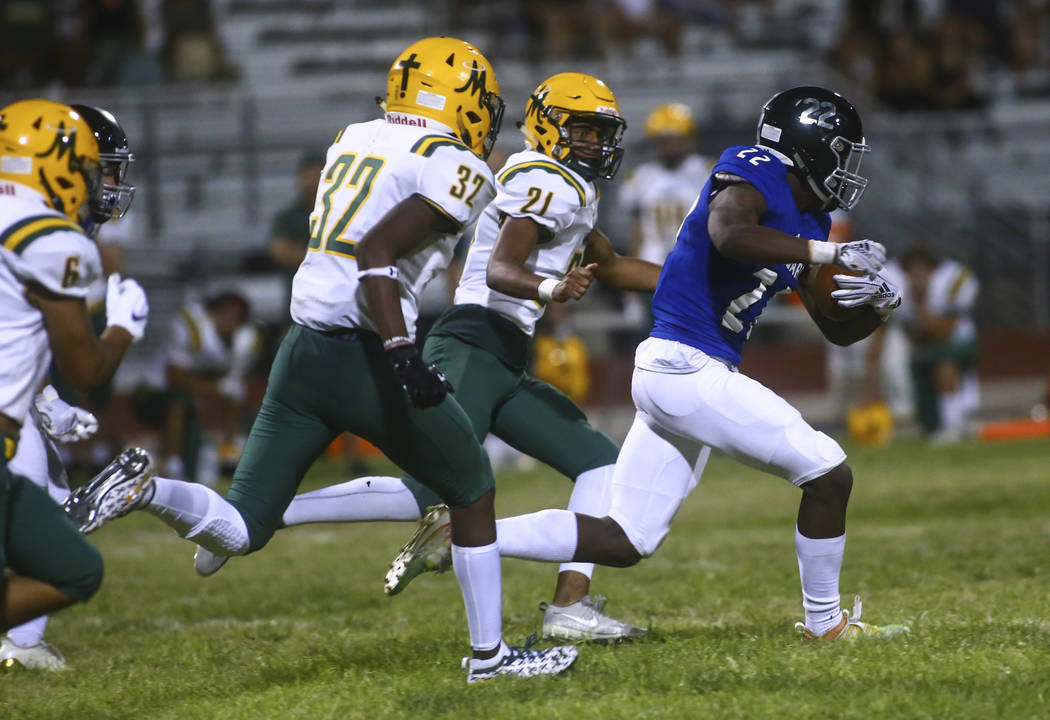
711	302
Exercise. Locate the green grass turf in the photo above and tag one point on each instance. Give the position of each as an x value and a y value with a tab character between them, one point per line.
954	541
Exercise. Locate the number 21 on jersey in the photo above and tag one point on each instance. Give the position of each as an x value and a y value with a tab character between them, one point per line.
363	176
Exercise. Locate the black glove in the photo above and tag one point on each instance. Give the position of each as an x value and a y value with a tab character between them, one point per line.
425	384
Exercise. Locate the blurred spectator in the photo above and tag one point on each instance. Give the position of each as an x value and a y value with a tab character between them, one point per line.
953	68
857	49
905	73
28	47
625	21
562	29
111	35
937	316
193	51
1027	32
209	350
290	227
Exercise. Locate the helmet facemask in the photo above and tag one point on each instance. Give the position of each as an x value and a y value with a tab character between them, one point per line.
845	184
115	195
597	159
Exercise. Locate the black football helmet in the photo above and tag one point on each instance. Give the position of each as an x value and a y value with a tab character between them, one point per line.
821	133
114	157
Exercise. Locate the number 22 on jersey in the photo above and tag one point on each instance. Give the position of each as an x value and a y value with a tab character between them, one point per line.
361	179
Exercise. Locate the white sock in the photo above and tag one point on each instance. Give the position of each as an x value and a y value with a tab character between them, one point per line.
952	408
547	535
28	634
359	500
590	496
819	564
200	514
478	572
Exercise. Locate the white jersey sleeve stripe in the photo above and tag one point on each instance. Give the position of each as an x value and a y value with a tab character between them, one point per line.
20	235
550	167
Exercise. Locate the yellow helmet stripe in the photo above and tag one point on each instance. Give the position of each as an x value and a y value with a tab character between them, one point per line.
550	167
19	236
195	331
426	145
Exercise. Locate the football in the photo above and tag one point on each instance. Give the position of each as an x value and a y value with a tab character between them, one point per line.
823	284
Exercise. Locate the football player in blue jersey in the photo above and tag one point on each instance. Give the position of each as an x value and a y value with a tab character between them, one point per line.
758	227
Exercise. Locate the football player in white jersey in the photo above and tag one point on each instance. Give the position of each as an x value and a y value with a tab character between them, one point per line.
210	348
535	243
394	195
51	419
50	183
659	193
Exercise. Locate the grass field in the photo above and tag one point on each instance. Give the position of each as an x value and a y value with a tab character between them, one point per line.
954	541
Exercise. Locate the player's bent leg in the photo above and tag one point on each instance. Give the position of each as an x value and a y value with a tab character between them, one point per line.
53	566
543	422
654	474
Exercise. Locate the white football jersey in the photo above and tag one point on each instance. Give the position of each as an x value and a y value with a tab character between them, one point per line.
193	344
370	168
952	290
661	199
530	185
37	245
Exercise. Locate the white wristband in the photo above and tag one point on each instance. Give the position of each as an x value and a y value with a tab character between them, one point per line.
546	289
387	271
822	253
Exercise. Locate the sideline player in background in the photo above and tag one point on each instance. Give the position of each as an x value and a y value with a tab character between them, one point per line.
393	198
659	193
50	418
758	227
535	243
210	348
50	182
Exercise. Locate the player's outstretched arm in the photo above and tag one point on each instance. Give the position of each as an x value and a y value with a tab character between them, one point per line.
733	224
85	359
735	229
507	273
618	271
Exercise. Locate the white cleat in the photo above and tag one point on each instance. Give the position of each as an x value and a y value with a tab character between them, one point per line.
428	550
35	657
206	563
523	662
584	620
121	487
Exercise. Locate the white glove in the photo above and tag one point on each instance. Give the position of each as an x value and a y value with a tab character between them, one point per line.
866	256
62	421
878	291
126	306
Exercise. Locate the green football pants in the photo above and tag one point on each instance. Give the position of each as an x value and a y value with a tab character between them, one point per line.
322	385
528	414
38	541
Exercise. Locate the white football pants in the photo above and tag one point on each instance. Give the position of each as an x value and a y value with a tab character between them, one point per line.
691	404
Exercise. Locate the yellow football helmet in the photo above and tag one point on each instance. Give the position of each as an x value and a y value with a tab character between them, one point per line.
568	99
49	147
670	120
449	81
870	424
563	364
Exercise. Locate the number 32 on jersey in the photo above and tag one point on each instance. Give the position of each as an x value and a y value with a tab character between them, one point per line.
361	177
